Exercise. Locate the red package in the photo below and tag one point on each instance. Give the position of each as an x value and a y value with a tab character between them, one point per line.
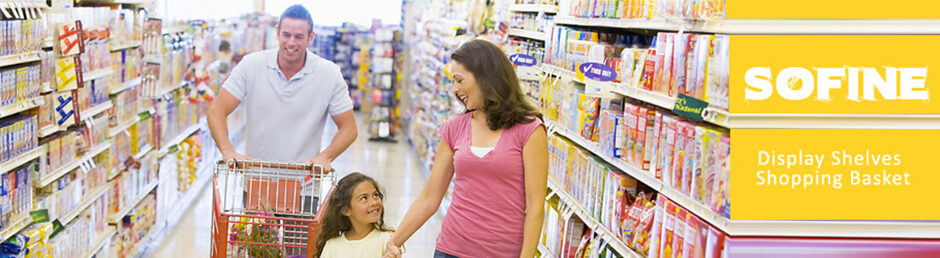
634	212
641	236
266	195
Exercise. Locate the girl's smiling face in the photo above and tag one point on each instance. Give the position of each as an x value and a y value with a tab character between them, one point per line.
365	207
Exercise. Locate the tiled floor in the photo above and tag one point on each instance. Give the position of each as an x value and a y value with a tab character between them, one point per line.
394	165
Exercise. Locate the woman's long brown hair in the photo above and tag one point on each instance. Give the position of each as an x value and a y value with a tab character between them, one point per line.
334	222
503	101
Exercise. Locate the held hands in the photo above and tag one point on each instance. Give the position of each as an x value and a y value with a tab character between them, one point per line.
322	161
392	250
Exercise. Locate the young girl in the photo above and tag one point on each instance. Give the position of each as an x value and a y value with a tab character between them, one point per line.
354	225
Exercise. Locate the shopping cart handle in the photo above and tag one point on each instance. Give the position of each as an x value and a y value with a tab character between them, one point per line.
314	169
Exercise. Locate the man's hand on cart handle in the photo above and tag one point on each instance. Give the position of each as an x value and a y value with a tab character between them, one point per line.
323	162
235	156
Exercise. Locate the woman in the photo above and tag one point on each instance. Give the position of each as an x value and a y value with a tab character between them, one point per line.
497	153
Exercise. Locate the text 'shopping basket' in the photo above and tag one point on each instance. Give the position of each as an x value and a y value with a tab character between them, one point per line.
272	187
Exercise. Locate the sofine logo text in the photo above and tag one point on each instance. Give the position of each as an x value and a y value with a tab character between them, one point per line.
854	83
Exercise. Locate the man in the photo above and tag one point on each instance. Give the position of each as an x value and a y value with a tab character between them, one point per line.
287	94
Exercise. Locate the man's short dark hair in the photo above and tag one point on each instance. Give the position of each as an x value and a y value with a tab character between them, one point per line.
297	12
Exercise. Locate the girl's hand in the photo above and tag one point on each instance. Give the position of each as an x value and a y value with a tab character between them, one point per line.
392	250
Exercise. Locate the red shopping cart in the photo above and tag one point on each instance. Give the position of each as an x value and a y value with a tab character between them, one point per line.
267	209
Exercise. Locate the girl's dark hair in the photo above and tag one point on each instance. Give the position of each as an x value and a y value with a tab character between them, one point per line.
334	222
503	101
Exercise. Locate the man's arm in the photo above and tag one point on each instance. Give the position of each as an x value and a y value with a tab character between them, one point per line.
219	110
345	136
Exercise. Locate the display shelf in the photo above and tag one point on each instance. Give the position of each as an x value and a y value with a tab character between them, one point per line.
115	218
558	71
203	177
533	8
93	111
601	230
168	89
125	45
90	199
100	73
100	240
123	126
143	152
48	130
821	26
179	139
55	175
644	24
21	159
17	225
10	60
126	85
528	34
646	178
128	123
13	109
713	114
46	87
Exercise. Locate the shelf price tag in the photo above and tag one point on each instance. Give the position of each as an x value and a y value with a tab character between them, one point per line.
144	115
56	228
39	216
689	107
172	149
597	78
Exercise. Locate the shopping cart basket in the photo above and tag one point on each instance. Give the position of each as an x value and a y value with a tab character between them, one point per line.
267	209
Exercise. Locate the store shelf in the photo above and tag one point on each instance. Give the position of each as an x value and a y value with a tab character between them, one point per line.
143	152
101	73
100	240
17	161
646	178
558	71
528	34
167	89
128	123
49	130
17	225
601	230
47	43
643	24
90	199
10	60
179	138
46	88
55	175
115	218
824	121
769	26
203	177
125	45
93	111
533	8
13	109
821	26
713	114
126	85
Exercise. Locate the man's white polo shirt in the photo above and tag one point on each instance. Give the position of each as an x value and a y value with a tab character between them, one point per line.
286	118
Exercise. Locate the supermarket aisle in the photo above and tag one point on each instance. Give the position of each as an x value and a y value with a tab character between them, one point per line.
393	165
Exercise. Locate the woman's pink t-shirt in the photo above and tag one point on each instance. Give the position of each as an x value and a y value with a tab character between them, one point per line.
487	213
